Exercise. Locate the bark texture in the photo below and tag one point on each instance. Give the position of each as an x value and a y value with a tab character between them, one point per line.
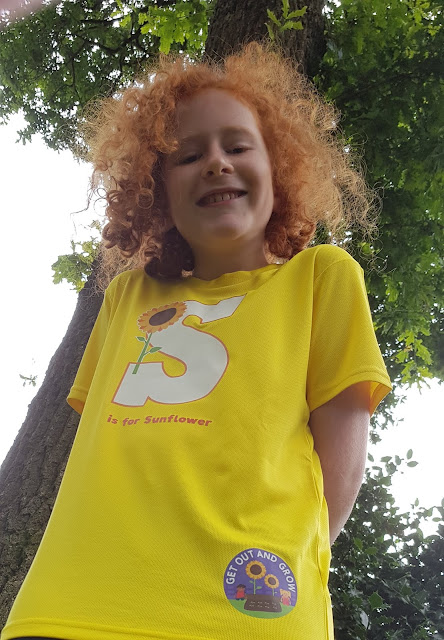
31	474
236	22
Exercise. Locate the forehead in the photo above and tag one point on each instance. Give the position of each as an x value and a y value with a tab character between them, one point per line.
212	110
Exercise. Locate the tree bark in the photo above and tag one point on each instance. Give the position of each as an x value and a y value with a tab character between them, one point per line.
31	473
235	23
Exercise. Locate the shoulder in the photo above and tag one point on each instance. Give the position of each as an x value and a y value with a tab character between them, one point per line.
319	260
125	281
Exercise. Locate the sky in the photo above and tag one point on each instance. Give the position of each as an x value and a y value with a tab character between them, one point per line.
41	192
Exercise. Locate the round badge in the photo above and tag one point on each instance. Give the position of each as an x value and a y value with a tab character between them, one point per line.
260	584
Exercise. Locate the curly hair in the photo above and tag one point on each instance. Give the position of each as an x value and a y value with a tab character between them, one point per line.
316	176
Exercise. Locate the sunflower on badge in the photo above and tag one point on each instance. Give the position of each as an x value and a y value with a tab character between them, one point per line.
155	320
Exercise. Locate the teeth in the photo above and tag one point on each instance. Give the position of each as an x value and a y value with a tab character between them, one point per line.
218	197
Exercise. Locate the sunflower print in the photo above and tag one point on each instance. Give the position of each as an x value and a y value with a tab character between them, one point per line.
271	581
155	320
160	318
255	570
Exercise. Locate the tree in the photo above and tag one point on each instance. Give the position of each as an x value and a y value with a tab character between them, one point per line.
52	63
386	578
382	69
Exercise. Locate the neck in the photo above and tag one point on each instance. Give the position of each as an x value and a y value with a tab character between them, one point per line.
212	266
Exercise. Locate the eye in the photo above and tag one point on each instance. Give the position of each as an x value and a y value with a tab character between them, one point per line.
237	150
189	159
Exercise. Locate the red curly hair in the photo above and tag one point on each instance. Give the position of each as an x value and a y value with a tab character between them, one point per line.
315	176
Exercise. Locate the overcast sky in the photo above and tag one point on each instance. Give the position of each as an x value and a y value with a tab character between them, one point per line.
41	191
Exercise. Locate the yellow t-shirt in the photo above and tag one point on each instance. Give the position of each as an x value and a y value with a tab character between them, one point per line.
192	504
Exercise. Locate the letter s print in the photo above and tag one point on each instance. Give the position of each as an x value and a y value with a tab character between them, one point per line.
204	356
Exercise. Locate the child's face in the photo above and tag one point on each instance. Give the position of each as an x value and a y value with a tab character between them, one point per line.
221	149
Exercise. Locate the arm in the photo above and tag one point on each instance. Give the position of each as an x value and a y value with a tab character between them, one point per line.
340	432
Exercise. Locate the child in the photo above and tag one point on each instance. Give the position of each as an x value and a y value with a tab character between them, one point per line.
227	385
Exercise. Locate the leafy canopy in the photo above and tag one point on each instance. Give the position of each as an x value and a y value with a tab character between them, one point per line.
383	70
386	577
53	62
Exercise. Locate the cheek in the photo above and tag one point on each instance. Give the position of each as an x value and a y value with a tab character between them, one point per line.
265	174
267	186
177	190
173	197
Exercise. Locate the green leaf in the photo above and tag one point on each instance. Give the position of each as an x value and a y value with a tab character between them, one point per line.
422	352
154	349
273	17
270	31
297	14
376	602
125	22
409	454
285	8
358	543
412	464
141	339
291	25
382	620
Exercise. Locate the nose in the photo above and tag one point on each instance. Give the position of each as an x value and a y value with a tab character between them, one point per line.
216	163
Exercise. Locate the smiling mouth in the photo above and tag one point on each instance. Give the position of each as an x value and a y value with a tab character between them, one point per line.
215	198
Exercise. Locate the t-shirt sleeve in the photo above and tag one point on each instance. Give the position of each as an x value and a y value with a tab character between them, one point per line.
82	382
343	349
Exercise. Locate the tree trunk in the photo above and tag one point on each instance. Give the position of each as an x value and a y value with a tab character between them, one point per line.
237	22
32	471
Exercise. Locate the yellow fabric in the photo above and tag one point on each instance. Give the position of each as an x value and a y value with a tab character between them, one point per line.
192	504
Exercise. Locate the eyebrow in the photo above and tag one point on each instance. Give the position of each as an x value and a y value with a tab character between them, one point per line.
225	130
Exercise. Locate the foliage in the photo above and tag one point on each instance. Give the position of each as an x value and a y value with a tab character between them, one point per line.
52	63
76	267
184	22
29	380
387	580
276	27
383	70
